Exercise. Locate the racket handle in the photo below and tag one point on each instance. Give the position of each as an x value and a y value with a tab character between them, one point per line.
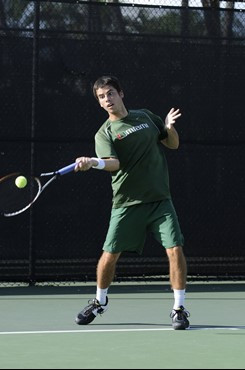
66	169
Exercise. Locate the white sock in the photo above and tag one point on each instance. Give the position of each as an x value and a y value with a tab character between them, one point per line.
101	295
179	298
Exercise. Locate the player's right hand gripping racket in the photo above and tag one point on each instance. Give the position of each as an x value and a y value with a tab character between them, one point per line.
15	200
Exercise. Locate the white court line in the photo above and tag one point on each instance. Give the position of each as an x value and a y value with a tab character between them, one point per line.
109	330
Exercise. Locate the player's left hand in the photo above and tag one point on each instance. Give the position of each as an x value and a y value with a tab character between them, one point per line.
171	117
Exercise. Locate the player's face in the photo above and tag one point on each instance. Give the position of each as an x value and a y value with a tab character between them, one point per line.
110	99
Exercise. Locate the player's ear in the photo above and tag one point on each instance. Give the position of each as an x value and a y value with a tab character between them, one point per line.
121	94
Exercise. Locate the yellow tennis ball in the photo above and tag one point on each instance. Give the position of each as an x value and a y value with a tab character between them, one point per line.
21	182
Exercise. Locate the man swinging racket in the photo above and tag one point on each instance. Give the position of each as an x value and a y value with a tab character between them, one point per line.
129	145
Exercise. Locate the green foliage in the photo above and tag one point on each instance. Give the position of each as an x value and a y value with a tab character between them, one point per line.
86	17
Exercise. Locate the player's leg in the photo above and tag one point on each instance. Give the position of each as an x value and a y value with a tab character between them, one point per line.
166	229
177	274
126	233
177	268
105	274
106	269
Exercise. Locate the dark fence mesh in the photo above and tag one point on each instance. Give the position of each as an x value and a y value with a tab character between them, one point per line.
185	54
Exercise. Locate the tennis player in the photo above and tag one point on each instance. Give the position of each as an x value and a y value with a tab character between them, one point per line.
129	145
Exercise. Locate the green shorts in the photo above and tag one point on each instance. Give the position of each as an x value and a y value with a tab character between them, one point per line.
129	225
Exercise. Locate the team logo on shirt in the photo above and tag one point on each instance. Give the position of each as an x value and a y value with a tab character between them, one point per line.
132	130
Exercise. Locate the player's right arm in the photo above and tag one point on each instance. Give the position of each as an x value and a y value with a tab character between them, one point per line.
107	157
107	164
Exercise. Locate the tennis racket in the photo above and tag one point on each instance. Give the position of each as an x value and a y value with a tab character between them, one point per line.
15	200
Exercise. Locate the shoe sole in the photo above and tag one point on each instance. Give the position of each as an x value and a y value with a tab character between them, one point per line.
83	320
180	327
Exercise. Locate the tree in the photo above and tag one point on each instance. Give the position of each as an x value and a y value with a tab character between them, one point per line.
228	21
2	16
211	16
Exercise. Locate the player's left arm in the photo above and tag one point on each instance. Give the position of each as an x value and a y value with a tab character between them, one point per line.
172	141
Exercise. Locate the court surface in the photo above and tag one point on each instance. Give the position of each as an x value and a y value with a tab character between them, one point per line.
38	328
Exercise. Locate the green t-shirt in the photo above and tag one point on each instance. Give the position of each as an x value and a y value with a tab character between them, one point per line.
135	142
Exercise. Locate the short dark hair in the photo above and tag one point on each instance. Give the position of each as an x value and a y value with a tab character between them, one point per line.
104	81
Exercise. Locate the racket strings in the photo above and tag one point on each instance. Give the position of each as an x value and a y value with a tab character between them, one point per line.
14	200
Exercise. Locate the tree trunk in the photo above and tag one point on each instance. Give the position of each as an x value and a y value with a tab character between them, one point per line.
184	18
229	16
117	18
211	16
3	23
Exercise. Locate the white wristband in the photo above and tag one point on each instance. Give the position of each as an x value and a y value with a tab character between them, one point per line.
100	165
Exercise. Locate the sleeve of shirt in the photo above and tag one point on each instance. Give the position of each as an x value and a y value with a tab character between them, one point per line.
159	123
104	147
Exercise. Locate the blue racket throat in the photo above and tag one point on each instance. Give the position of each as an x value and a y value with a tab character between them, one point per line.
67	169
61	171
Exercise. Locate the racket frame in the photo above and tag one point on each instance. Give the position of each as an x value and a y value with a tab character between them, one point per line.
55	174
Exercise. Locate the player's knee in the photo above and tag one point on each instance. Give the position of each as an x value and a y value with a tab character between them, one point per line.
175	253
110	258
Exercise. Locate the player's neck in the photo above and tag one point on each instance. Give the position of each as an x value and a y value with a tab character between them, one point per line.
118	115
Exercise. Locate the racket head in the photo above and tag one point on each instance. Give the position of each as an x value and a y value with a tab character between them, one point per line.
14	200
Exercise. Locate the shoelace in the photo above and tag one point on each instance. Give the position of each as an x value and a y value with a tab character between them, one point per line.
93	303
180	313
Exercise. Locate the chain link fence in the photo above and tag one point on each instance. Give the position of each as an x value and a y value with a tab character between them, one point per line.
186	54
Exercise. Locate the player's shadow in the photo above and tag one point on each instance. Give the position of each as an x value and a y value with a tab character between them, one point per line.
216	327
192	327
131	324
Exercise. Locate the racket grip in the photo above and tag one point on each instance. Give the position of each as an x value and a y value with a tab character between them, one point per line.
66	169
